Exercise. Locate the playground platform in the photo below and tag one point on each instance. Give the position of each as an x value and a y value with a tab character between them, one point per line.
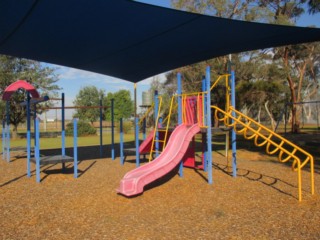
45	160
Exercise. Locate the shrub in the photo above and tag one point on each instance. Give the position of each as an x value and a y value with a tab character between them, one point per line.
84	129
126	126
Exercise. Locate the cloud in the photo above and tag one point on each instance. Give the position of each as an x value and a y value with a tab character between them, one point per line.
72	74
147	82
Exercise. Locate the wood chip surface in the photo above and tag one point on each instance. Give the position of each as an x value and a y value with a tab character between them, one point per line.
261	203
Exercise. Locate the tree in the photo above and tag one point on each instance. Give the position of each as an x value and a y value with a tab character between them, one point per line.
88	96
300	63
42	77
314	6
123	105
302	66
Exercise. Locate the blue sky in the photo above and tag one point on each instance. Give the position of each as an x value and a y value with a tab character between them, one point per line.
72	80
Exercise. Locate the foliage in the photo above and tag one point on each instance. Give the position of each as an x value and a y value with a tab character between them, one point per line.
41	77
126	127
123	105
84	129
88	96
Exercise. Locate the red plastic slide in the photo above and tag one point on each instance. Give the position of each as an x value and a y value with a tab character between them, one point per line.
134	181
145	146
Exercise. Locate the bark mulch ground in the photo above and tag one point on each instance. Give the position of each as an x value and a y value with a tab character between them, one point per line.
261	203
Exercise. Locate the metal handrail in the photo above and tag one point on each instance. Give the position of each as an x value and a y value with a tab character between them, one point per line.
155	128
146	113
297	165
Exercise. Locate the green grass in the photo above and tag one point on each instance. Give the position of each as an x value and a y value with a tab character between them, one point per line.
52	143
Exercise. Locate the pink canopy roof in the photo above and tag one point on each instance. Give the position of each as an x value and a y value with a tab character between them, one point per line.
17	85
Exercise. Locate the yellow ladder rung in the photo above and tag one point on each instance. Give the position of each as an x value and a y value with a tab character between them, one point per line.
158	140
155	151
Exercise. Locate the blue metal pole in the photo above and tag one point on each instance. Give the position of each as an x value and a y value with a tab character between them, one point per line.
75	148
112	129
8	130
205	150
121	143
7	142
233	134
137	142
101	126
3	138
144	128
209	133
34	122
63	135
156	107
179	91
37	150
28	136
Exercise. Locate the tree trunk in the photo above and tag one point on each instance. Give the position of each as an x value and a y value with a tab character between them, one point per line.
259	115
14	132
273	122
294	122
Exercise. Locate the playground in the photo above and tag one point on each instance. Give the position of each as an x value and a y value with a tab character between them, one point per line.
255	195
211	171
260	203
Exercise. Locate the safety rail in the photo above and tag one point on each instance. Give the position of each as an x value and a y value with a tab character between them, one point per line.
146	114
226	76
154	139
268	140
227	86
199	112
173	107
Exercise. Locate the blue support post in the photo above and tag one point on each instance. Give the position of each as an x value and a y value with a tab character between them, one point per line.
34	122
37	149
209	133
7	142
63	135
137	142
112	129
179	91
28	136
121	142
144	127
156	107
75	148
233	134
204	142
101	115
8	130
3	138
